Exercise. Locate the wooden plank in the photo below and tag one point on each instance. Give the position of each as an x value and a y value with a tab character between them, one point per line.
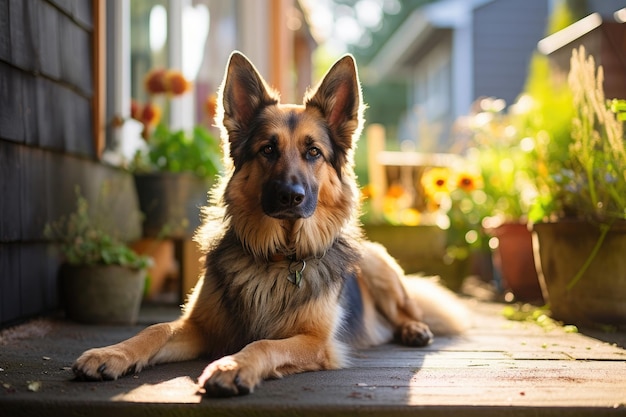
99	77
22	46
11	126
386	380
48	40
11	166
5	31
10	282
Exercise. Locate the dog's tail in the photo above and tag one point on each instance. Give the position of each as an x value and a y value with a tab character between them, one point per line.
442	310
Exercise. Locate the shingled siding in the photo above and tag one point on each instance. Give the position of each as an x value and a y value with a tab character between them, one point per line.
46	144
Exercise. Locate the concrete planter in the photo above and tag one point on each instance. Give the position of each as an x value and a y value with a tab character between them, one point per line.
101	294
420	249
171	203
582	272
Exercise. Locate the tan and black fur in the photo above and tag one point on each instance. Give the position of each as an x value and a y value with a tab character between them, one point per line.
289	283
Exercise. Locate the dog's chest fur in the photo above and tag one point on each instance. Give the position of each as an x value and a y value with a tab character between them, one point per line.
261	299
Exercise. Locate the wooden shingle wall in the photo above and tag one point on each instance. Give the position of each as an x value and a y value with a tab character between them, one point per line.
47	145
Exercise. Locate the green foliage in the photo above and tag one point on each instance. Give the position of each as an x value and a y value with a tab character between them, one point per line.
505	159
83	241
179	151
547	119
585	170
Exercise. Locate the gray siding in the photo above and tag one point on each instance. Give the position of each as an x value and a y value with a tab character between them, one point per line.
506	33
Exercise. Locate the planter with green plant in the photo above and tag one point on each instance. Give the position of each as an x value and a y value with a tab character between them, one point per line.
174	169
101	278
579	229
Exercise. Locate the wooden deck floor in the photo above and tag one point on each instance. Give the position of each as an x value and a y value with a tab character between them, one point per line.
499	368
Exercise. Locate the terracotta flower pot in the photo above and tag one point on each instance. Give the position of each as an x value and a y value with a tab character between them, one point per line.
101	294
583	276
514	259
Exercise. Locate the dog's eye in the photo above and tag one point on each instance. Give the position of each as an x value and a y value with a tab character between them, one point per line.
267	150
314	152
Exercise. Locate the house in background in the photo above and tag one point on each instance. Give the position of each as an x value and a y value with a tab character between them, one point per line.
603	38
67	67
452	52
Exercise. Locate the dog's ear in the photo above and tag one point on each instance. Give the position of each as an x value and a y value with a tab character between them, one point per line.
243	94
338	97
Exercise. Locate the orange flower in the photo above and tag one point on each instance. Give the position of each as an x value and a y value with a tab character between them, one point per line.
395	191
151	114
210	106
155	81
468	181
176	83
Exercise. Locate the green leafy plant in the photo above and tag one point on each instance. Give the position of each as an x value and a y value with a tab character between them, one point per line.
179	151
586	177
504	157
166	150
84	241
457	198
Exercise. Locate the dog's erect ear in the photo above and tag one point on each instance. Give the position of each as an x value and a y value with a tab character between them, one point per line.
338	97
244	93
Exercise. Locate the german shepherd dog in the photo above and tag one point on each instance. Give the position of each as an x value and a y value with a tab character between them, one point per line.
289	284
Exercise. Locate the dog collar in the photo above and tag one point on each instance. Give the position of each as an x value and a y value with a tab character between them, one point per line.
296	266
279	257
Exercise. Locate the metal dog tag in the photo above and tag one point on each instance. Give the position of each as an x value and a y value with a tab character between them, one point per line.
295	272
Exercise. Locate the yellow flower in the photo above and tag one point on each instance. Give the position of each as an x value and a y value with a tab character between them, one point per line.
368	191
435	181
409	217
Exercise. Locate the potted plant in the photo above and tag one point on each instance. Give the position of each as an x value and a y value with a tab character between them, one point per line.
579	228
503	153
174	169
455	198
409	234
101	279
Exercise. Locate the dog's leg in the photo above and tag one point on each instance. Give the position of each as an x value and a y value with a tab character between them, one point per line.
238	374
165	342
382	278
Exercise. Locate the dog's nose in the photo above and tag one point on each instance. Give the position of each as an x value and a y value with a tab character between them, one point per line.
289	195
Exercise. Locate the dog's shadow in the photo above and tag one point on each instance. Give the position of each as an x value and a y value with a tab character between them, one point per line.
382	375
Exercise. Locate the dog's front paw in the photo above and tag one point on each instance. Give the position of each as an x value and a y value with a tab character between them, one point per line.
227	377
415	333
99	364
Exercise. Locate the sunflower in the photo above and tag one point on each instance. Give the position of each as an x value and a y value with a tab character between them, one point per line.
436	181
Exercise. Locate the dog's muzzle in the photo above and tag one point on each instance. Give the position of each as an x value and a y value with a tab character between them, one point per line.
285	200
